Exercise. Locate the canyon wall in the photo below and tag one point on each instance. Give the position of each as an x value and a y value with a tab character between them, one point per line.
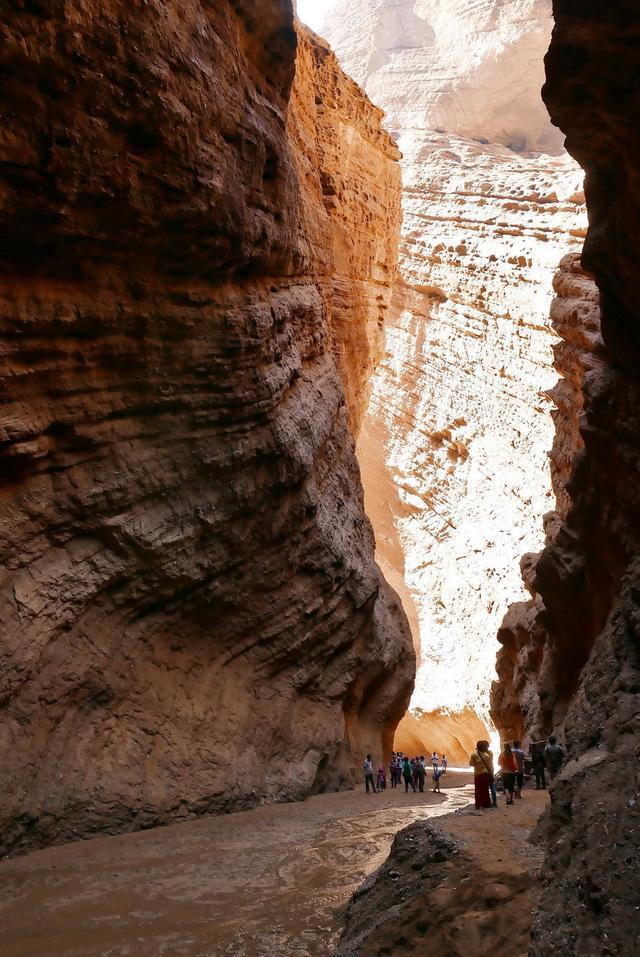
587	581
471	67
192	619
347	168
454	446
537	672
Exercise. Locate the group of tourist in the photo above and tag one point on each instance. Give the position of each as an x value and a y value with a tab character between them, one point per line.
401	767
511	763
413	771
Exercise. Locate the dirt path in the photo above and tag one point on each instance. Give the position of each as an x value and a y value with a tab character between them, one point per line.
464	886
273	882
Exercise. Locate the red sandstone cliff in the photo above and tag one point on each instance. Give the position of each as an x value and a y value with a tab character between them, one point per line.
192	619
348	170
588	579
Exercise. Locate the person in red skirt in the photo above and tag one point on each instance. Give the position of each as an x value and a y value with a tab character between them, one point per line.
482	766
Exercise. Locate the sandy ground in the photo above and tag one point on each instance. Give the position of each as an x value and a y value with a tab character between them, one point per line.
463	886
264	883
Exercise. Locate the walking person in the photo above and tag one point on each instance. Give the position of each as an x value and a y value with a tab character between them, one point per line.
487	754
437	774
421	772
509	767
434	759
537	757
407	774
481	774
444	764
368	774
553	757
519	756
399	763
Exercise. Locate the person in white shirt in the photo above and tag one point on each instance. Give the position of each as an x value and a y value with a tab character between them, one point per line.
368	774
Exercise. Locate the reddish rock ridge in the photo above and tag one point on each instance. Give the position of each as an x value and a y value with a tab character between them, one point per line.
347	167
192	616
589	577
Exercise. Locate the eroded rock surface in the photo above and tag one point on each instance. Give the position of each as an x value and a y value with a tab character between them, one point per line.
192	619
466	886
589	577
454	447
472	67
538	669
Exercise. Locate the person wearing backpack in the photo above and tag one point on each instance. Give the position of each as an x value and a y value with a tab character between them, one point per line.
553	757
518	754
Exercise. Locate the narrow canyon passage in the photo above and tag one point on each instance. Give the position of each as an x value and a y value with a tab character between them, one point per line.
285	460
454	446
272	882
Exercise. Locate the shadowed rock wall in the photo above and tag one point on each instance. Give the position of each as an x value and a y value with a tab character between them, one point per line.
588	579
192	619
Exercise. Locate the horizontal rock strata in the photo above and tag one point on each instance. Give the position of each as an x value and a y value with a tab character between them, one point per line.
454	447
192	617
538	670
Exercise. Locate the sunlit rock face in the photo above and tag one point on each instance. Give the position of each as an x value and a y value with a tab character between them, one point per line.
191	616
538	669
454	448
350	182
472	67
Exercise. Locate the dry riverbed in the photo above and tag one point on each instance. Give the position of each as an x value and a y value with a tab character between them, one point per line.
273	882
465	885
